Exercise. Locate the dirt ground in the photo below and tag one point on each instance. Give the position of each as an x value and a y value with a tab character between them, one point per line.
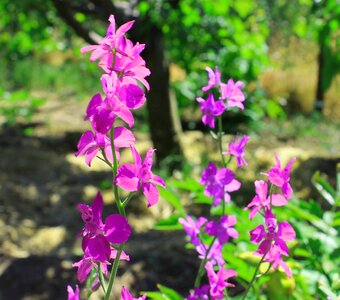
41	182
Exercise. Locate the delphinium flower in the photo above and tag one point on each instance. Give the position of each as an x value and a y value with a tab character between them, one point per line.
223	229
200	293
281	177
192	228
219	281
90	143
218	183
262	200
214	255
231	92
237	149
132	177
273	240
214	79
210	109
72	295
126	295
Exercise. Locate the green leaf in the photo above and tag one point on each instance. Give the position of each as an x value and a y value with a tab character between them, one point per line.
173	199
324	188
170	223
154	295
169	293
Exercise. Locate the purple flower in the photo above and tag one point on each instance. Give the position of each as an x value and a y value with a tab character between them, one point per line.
281	177
210	109
192	228
275	235
223	229
126	295
200	293
90	143
237	149
110	45
275	258
132	177
72	295
214	79
233	94
102	113
218	183
97	235
218	281
215	253
263	200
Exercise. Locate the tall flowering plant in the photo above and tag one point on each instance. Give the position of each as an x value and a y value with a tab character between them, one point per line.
219	183
123	84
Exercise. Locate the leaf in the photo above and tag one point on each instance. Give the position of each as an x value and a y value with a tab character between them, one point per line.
324	188
154	295
169	293
170	223
173	199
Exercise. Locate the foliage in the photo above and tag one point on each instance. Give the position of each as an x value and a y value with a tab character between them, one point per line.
315	253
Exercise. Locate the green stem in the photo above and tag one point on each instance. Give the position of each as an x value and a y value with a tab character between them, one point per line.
127	199
101	278
202	265
220	135
254	276
114	272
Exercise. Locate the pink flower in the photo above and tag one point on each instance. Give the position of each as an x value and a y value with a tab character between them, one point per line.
72	295
200	293
263	200
223	229
210	109
127	296
233	94
275	258
214	255
275	235
281	177
111	44
218	183
97	235
214	79
192	228
237	149
132	177
218	281
91	143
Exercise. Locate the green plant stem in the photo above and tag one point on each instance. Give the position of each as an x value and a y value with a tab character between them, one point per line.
220	135
202	265
121	211
101	278
113	272
254	276
127	199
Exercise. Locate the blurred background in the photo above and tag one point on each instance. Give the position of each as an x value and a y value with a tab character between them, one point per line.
286	53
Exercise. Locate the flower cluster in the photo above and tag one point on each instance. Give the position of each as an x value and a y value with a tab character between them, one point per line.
230	95
273	236
123	84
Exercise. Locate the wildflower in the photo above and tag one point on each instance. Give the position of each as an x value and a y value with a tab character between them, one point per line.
132	177
231	92
218	281
275	235
72	295
91	143
200	293
237	149
214	255
281	177
126	295
192	228
214	78
218	183
210	109
223	229
263	200
97	235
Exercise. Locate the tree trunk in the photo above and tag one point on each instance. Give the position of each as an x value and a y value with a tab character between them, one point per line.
320	93
162	107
